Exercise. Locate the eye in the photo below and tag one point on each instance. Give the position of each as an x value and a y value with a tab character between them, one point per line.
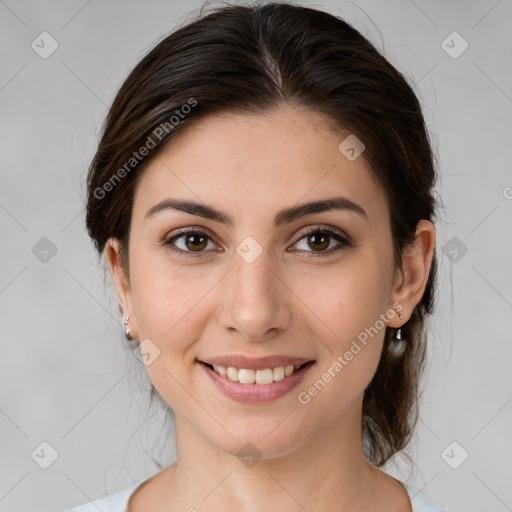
194	241
319	239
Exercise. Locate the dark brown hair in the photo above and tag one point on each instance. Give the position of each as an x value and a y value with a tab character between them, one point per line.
250	59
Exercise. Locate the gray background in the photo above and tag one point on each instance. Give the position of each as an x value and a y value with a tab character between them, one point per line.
66	378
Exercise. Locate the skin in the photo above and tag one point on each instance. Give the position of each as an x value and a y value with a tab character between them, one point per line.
292	303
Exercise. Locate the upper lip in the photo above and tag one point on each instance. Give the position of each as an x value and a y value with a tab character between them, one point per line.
255	363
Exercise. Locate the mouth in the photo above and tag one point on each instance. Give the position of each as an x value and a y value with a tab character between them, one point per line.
255	380
263	376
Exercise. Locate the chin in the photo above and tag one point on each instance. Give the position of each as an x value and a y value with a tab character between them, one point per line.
264	438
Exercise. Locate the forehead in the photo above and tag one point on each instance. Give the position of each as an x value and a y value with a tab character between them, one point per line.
258	163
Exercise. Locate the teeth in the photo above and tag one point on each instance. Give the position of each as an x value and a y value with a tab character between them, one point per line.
221	369
278	373
264	376
232	373
245	376
248	376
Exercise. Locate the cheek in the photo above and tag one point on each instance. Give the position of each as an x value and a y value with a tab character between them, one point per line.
170	303
346	306
349	357
345	299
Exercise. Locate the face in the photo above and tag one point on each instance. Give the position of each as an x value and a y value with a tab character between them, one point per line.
251	282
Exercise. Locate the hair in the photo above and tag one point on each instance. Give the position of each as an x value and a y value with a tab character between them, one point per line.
252	59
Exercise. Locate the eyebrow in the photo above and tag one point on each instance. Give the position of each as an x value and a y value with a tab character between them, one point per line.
283	217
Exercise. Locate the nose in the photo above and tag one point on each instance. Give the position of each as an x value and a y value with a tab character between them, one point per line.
255	301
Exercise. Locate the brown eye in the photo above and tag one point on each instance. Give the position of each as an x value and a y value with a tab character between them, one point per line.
196	241
319	240
191	241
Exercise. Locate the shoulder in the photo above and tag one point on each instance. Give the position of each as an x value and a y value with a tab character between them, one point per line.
420	503
116	502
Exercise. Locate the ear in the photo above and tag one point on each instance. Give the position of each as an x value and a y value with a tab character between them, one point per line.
121	283
411	280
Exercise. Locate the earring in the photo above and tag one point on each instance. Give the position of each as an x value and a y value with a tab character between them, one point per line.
127	329
398	344
398	335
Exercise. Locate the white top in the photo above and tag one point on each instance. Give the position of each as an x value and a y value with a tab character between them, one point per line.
118	501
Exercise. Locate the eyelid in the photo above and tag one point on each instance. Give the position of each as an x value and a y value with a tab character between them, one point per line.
323	227
185	231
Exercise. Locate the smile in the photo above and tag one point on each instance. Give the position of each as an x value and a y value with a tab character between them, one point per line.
266	383
249	376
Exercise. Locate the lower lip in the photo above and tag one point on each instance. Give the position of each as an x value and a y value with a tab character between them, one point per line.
256	393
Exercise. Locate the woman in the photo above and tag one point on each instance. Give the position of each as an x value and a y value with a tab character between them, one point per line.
263	193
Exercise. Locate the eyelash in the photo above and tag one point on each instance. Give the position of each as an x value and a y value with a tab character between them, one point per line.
344	241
